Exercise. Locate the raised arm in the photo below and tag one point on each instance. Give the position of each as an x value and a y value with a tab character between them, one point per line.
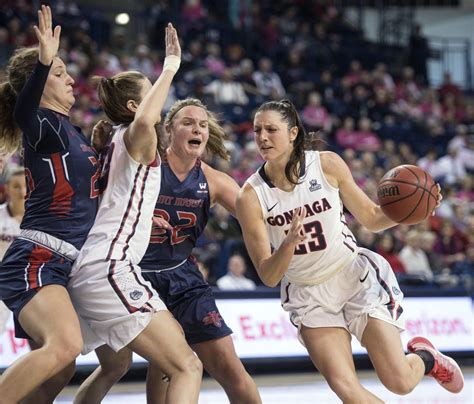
140	138
42	134
271	267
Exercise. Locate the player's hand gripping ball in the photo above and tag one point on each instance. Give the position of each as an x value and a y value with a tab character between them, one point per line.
407	194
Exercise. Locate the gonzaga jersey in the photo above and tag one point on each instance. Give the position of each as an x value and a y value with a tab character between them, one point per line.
61	168
330	244
129	189
9	229
185	206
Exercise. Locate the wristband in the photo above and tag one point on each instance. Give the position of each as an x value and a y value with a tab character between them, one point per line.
172	63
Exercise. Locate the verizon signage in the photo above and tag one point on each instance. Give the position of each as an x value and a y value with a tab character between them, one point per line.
262	329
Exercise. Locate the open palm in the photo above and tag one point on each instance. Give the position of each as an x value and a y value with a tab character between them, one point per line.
47	38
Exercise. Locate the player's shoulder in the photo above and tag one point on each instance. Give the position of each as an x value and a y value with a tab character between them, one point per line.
331	162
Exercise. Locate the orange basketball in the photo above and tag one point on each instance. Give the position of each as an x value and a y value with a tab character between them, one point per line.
407	194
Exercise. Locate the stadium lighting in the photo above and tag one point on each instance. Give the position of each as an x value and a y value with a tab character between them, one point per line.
122	19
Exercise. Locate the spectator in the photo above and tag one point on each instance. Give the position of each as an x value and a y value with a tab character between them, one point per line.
226	90
315	115
414	258
385	246
268	82
235	278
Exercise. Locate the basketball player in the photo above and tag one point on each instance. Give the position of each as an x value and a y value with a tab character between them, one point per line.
61	171
117	305
11	213
330	287
189	187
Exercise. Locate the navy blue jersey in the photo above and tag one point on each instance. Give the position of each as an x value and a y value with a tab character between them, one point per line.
185	206
61	168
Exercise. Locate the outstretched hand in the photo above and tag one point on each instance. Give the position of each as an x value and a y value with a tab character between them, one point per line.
172	41
47	38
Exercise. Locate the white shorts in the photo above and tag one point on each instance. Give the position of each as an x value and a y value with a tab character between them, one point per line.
4	316
113	301
366	287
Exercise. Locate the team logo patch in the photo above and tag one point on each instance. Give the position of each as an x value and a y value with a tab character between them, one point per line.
396	290
314	186
136	294
213	317
202	188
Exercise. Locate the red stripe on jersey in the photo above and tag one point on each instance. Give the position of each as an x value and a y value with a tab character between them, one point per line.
63	192
127	211
38	257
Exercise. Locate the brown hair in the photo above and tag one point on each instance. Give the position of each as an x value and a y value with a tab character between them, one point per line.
19	68
115	92
289	114
215	144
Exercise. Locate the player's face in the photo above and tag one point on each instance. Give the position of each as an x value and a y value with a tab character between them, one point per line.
16	189
58	92
189	131
274	140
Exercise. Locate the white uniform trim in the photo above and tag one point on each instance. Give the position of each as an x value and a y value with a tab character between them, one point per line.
106	287
60	247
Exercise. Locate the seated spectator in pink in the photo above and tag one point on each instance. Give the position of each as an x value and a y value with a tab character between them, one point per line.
315	115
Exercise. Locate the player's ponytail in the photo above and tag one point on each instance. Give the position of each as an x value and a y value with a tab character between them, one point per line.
115	92
19	68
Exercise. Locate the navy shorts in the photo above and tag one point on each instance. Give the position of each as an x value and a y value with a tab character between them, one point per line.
25	269
189	298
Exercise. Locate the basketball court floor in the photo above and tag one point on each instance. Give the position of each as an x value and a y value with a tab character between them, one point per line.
305	388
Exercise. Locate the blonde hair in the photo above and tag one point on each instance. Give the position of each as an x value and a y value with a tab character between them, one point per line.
215	144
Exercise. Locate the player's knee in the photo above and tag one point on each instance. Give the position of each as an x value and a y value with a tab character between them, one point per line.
399	384
192	365
66	350
343	386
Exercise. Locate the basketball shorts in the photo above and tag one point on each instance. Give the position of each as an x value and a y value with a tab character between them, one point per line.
113	301
189	298
365	287
34	260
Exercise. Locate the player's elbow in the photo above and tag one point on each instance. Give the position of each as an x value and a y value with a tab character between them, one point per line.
269	280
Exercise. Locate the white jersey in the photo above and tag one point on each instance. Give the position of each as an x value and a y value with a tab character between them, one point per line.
330	245
122	227
9	229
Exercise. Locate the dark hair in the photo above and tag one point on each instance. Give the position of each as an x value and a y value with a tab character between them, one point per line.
288	113
19	68
215	144
115	92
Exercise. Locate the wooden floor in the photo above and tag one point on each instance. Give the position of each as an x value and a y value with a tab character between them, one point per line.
304	388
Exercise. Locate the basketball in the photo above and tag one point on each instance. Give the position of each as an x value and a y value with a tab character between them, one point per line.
407	194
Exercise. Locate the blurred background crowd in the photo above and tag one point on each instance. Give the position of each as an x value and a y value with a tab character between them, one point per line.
369	102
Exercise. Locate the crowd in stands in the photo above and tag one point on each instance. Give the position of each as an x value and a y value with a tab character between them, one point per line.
360	99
